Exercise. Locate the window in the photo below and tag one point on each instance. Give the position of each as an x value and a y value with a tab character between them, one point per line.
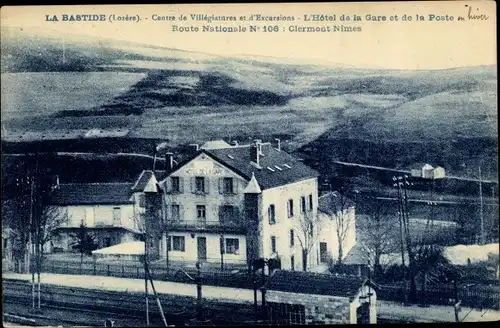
292	238
175	212
200	184
273	244
228	186
311	229
117	216
310	202
302	204
292	262
272	214
232	246
201	212
176	186
227	213
142	200
290	208
178	243
4	247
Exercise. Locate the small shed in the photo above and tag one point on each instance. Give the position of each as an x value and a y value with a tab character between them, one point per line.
438	173
296	297
427	171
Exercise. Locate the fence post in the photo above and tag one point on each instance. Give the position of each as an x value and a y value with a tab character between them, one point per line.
108	271
123	271
137	272
94	269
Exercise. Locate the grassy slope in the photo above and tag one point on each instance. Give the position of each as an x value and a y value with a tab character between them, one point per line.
444	117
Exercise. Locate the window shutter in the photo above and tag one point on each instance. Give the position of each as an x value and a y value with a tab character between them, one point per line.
181	184
169	243
193	184
181	212
237	213
168	185
221	216
235	186
221	185
207	185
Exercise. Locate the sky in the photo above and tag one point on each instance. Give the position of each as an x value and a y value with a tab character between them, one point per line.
379	44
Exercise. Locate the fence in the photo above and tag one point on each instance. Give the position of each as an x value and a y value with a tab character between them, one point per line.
478	297
212	277
471	296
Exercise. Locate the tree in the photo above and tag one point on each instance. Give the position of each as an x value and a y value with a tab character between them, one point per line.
341	214
377	231
51	218
16	215
309	227
85	241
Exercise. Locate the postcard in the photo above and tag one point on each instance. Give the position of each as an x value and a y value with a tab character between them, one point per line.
232	164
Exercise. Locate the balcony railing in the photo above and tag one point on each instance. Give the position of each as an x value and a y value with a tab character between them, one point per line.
209	225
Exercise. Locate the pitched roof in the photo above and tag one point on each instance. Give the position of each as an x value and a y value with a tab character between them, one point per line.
277	168
215	144
334	202
315	283
253	186
92	193
144	178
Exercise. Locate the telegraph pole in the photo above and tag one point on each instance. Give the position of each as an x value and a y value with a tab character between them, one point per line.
146	253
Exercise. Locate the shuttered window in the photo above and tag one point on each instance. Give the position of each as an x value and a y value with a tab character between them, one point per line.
175	184
175	211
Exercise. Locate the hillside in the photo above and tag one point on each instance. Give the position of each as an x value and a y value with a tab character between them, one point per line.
57	88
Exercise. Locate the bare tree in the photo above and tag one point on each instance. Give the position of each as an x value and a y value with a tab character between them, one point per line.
309	227
51	219
341	214
377	231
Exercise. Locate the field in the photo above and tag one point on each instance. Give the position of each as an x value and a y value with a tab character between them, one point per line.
81	87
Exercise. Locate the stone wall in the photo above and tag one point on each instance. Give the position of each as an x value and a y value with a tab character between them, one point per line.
320	309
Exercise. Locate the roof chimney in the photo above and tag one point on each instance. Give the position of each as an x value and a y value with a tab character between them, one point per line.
195	146
170	160
256	151
279	144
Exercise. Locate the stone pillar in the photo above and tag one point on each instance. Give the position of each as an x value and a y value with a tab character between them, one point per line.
373	306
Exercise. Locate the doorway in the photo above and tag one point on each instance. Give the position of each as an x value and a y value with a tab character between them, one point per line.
202	248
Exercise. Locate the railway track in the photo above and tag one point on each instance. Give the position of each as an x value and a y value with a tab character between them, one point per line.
122	307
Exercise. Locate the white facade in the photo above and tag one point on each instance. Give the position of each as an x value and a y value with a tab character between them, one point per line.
94	216
190	212
329	235
288	251
109	224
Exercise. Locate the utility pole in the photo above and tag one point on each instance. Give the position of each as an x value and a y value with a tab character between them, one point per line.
32	242
481	214
146	257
